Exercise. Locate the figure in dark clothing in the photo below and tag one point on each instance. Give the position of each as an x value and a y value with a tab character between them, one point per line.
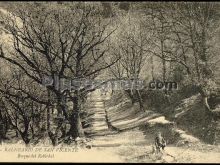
160	143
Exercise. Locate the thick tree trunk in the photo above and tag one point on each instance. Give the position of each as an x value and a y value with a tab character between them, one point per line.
43	128
76	129
6	127
61	109
25	138
24	135
60	106
3	126
52	137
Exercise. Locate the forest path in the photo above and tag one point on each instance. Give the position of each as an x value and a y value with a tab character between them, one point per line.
135	145
95	109
130	145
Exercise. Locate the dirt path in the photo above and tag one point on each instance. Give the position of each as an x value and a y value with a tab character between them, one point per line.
134	146
129	146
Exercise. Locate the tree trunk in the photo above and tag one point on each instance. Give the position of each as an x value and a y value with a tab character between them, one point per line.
76	129
60	106
3	123
32	131
50	134
26	139
24	135
162	53
205	102
197	66
6	126
204	95
164	70
152	68
61	109
130	95
140	100
43	128
53	136
110	126
112	92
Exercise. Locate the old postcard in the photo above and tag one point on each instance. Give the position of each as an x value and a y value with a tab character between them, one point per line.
110	82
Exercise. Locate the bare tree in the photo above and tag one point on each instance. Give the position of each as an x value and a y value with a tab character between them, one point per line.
23	113
52	45
194	26
130	48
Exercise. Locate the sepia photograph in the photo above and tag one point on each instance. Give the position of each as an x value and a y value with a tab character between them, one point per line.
110	82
